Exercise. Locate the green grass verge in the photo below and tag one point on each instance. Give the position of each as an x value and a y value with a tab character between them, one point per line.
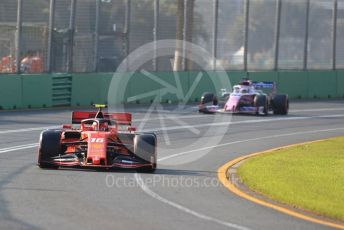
310	176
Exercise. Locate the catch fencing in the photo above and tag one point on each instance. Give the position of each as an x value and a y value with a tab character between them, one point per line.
97	35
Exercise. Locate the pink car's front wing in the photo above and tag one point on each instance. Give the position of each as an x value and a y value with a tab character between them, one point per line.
232	106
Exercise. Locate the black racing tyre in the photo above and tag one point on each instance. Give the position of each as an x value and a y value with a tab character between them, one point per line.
127	139
49	146
280	104
208	98
262	101
145	148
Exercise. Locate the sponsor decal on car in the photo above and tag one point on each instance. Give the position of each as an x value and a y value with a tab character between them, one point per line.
263	85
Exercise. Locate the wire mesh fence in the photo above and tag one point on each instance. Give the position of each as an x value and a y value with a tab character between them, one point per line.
261	34
61	36
320	37
97	35
8	22
111	44
34	36
292	35
230	36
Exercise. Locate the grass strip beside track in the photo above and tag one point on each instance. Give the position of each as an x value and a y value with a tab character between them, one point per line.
309	176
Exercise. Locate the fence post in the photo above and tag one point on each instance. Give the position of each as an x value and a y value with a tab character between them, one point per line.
277	32
185	28
305	54
247	14
50	34
96	36
127	30
18	37
215	29
71	36
155	34
334	44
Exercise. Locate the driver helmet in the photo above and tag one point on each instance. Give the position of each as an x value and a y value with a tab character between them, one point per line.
95	126
246	82
244	90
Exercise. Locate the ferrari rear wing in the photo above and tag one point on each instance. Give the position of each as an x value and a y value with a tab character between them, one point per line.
120	118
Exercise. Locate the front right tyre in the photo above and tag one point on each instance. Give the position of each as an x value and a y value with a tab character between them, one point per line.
261	101
49	147
207	99
145	148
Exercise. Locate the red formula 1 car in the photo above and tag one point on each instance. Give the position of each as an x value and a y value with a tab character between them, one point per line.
103	140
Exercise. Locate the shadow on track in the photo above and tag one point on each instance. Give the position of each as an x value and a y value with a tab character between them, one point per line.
159	171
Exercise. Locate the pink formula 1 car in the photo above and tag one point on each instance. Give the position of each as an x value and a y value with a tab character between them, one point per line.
247	97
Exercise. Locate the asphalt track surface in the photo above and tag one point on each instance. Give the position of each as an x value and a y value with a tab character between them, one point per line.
183	193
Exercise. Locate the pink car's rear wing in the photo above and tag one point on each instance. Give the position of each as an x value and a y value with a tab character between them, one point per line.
266	86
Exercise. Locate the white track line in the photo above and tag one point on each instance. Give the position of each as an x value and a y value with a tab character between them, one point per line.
170	128
182	208
18	147
202	216
191	117
33	145
195	126
169	116
249	140
195	108
315	110
27	129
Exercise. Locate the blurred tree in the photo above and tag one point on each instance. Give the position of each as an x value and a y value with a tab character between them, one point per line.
262	23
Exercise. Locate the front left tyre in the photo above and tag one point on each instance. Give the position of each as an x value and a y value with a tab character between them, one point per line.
49	147
145	148
280	104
